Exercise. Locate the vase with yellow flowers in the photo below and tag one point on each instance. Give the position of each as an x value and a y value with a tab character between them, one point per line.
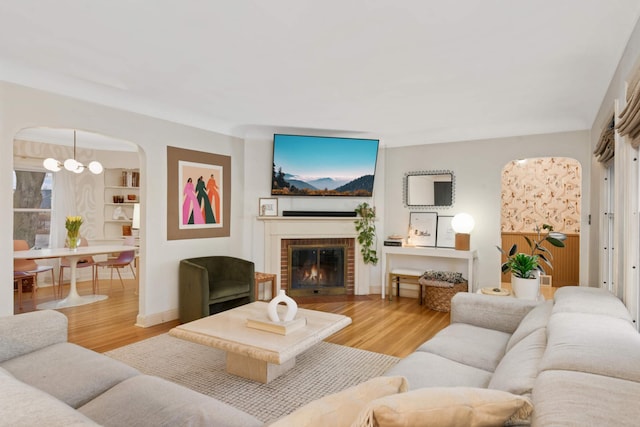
72	224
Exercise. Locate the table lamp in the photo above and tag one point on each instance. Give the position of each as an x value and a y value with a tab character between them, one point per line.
462	224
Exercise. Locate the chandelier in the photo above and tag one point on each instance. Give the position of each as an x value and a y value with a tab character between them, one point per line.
72	165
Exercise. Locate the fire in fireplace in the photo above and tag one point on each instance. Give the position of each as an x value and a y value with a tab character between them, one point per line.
317	270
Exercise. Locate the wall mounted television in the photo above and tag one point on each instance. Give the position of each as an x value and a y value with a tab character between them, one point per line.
323	166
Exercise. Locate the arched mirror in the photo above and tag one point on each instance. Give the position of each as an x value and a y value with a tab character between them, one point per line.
430	189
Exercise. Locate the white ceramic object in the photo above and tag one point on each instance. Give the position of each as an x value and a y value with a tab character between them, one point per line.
526	288
272	308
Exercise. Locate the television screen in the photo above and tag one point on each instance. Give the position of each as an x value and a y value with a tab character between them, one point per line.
323	166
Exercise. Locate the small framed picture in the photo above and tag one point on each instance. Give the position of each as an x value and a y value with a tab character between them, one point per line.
268	207
445	236
422	228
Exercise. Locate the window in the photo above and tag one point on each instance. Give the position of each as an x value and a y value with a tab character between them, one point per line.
32	193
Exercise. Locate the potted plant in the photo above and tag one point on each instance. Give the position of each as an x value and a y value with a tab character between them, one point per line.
366	228
525	267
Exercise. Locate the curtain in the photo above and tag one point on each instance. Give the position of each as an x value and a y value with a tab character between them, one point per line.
605	149
629	123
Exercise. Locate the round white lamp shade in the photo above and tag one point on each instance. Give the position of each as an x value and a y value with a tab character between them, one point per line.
463	223
51	164
95	167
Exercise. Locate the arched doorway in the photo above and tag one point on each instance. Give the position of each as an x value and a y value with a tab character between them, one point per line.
544	190
85	194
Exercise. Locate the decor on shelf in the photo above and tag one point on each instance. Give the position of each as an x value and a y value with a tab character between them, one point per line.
268	207
72	224
463	224
198	194
445	235
118	214
72	165
272	307
525	268
366	228
422	228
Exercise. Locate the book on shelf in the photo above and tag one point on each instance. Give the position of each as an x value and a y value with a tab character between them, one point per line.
130	178
282	328
393	242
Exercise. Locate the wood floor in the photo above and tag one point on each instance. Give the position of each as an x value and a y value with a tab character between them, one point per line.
395	327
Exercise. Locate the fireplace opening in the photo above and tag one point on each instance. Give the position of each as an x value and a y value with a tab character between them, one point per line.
317	270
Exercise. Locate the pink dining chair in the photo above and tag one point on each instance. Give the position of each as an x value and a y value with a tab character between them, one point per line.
122	261
83	263
29	266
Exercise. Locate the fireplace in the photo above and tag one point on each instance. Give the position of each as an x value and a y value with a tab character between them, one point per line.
323	266
279	232
316	269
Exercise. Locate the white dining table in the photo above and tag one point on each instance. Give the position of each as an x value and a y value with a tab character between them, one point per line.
74	256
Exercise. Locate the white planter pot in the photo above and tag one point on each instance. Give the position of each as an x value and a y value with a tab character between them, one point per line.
526	288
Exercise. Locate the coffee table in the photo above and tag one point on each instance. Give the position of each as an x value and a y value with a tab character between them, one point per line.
255	354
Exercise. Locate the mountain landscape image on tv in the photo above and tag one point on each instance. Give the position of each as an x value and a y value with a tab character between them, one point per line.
323	166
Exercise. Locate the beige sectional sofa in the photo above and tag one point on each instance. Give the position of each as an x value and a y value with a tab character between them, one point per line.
44	380
577	357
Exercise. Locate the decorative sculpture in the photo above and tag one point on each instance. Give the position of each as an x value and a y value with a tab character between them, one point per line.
272	308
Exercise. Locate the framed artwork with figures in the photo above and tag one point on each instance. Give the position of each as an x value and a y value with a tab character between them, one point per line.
198	194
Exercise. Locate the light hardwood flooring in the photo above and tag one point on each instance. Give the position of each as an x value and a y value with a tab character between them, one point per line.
395	327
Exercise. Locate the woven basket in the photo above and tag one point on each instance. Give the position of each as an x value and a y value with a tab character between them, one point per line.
439	299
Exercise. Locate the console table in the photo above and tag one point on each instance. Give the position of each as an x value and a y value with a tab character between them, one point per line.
463	260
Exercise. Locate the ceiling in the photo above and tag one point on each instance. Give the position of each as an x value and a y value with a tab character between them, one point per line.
406	71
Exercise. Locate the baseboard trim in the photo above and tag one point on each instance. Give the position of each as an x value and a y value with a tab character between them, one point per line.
156	318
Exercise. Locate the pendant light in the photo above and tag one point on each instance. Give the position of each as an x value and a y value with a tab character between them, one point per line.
72	165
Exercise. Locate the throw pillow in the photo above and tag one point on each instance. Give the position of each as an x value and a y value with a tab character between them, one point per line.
446	407
342	408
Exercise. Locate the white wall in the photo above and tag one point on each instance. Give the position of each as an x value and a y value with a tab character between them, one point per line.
22	107
477	167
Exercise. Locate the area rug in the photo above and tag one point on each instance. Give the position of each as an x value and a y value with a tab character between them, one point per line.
323	369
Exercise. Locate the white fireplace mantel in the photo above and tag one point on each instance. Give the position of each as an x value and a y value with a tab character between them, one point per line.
278	228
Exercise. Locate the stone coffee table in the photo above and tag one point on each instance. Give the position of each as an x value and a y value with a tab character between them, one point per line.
255	354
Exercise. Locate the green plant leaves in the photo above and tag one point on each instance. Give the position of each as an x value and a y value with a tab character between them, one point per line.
365	226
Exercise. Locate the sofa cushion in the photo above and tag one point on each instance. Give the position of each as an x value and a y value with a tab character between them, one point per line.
535	319
518	369
577	299
27	332
445	407
567	398
470	345
592	343
341	408
488	311
23	405
423	369
69	372
152	401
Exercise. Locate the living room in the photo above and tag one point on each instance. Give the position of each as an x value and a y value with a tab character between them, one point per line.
476	162
476	152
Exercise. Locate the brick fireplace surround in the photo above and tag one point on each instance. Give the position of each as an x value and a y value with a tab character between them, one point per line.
277	229
349	258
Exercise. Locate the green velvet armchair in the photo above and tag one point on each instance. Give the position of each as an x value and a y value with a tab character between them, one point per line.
212	284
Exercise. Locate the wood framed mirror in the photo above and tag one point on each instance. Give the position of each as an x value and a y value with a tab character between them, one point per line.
429	189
